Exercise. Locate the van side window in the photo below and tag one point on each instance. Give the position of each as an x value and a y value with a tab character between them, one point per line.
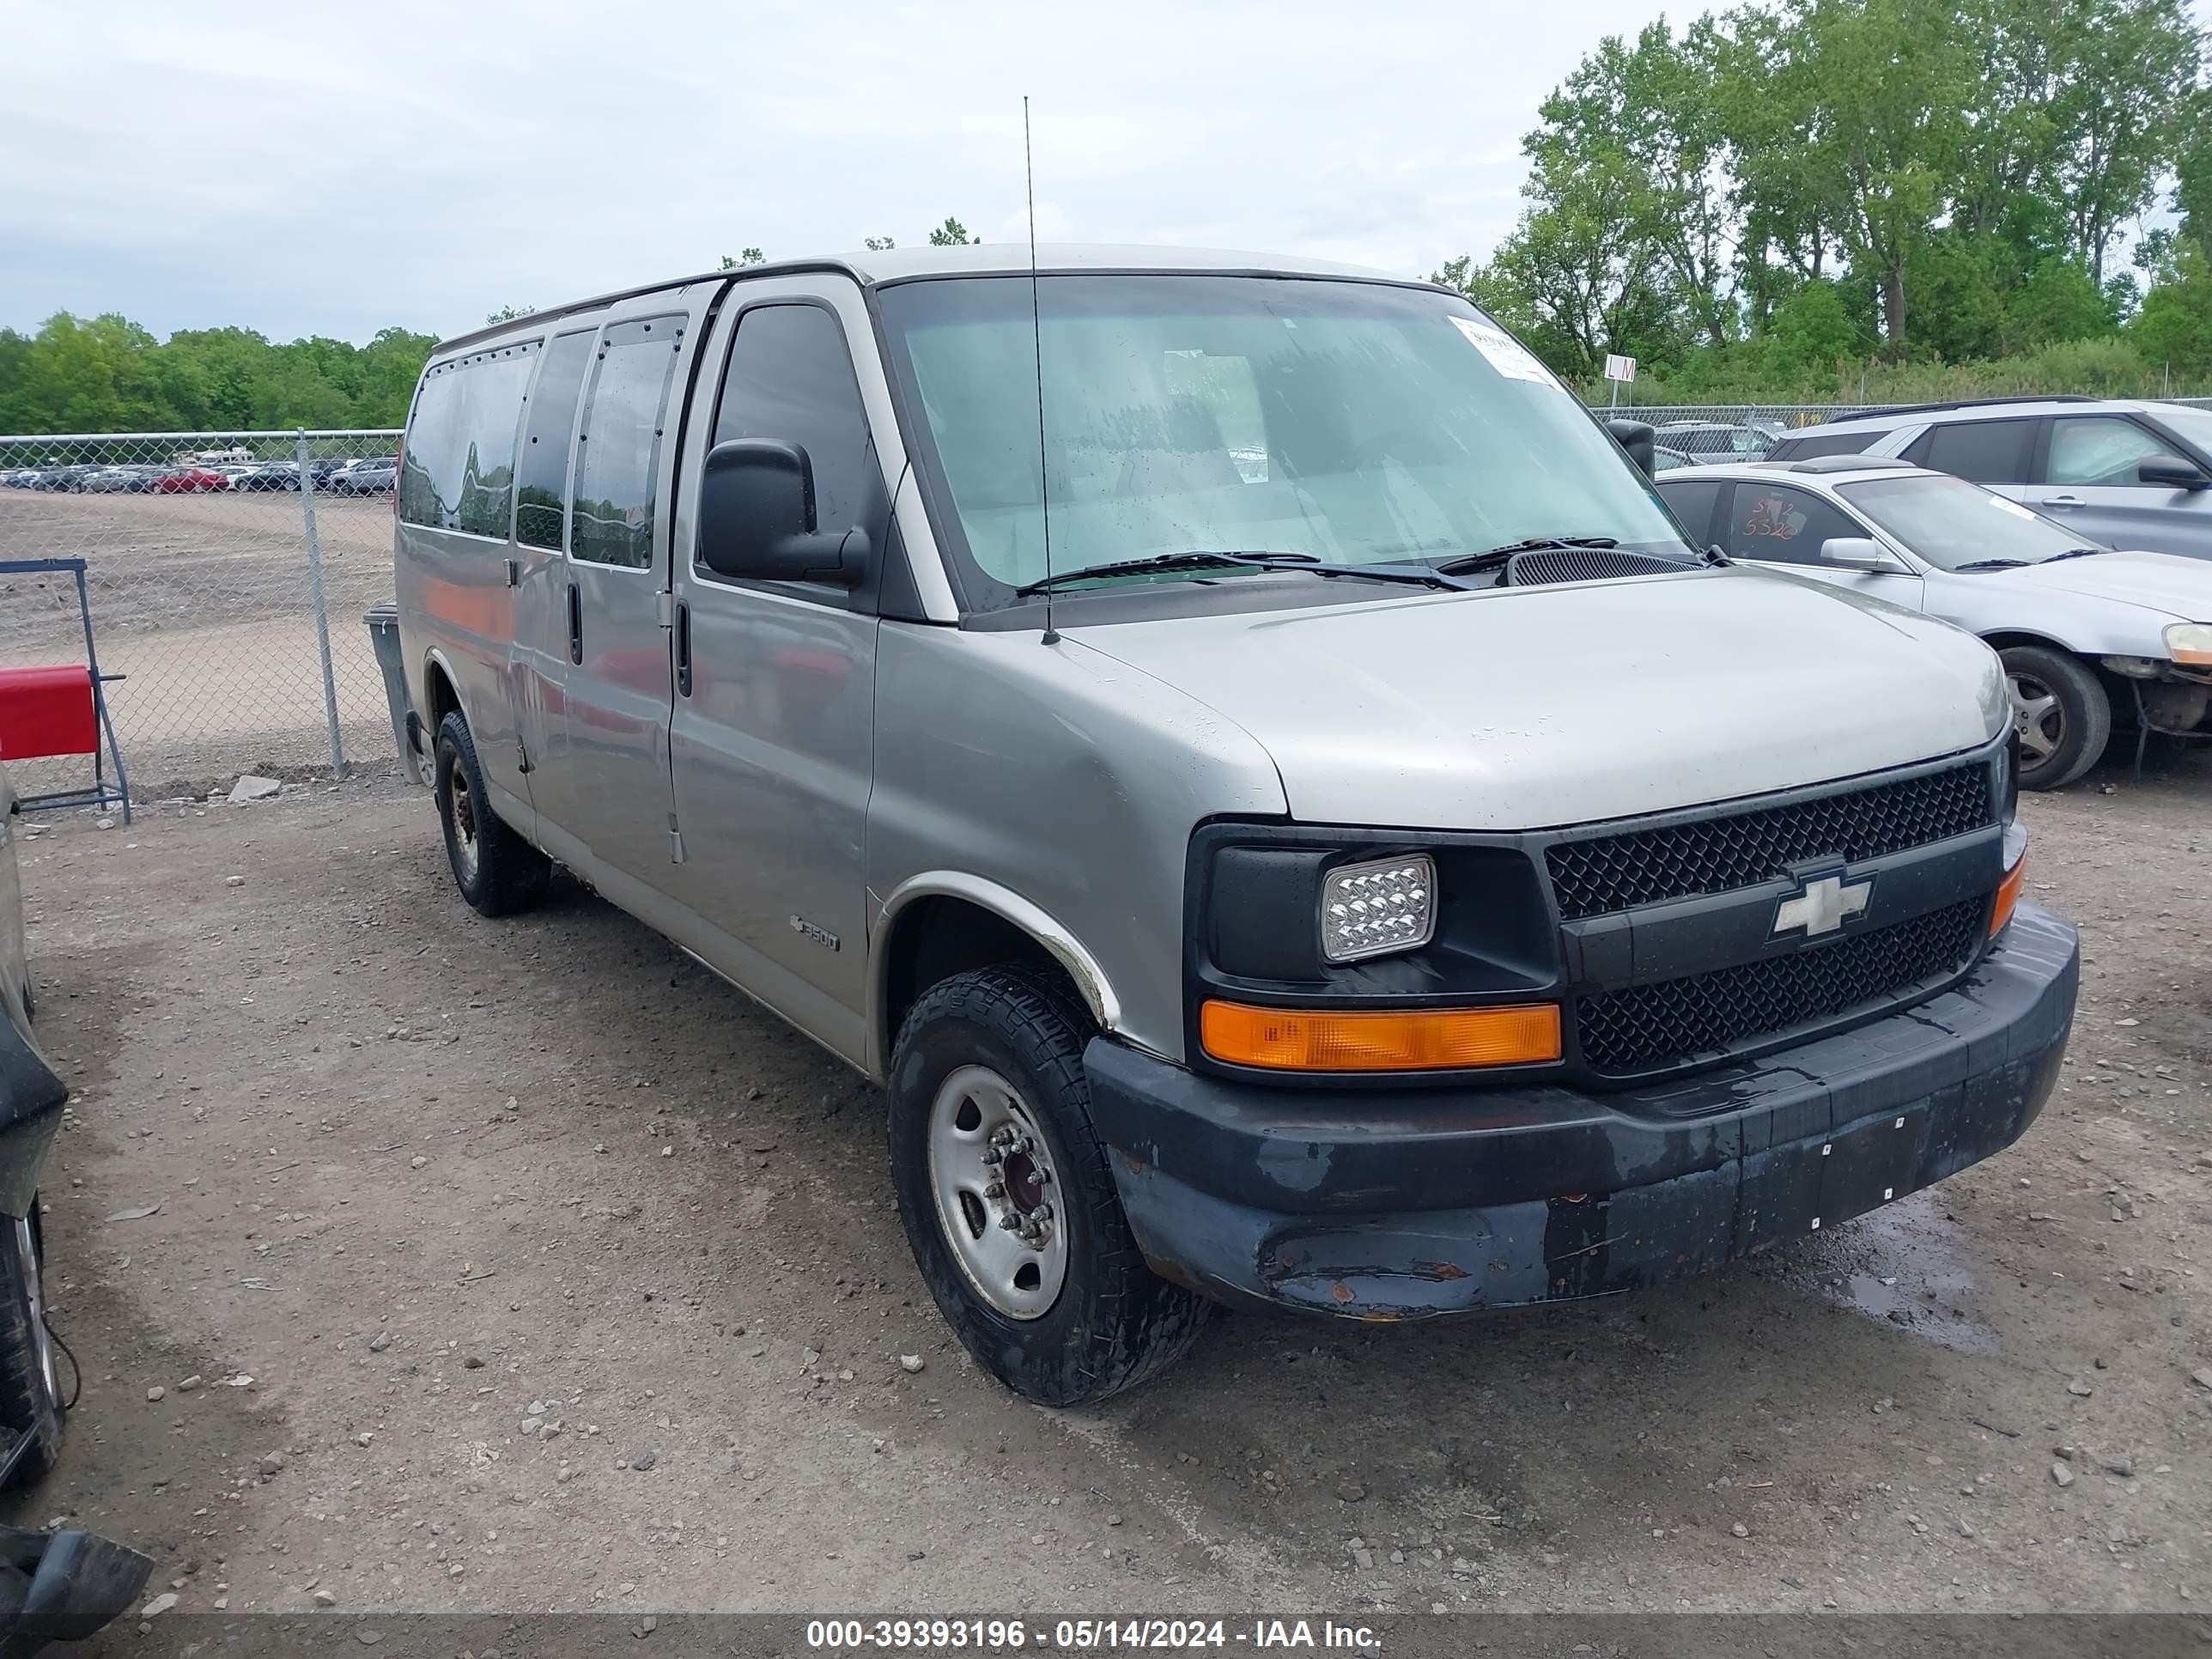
618	448
791	378
541	477
459	467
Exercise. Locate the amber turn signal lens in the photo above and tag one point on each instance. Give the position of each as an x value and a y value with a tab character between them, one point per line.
2009	895
1427	1039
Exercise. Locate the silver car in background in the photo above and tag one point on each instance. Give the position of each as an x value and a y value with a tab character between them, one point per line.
2122	472
2089	634
1244	759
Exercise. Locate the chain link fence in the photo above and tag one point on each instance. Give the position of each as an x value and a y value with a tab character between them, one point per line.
227	573
217	564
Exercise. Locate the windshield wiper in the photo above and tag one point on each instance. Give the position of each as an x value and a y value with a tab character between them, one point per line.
1419	575
2077	553
1991	564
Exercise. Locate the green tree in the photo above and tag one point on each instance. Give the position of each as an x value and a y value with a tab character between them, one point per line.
2173	330
877	244
951	234
1636	134
744	257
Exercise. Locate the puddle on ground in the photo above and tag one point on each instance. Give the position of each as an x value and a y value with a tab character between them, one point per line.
1902	1264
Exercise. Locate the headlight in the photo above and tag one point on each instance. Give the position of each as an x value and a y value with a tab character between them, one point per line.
2190	643
1374	907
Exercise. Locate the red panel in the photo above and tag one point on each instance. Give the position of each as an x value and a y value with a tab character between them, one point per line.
46	711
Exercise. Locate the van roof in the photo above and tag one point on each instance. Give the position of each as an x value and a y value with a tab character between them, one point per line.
874	267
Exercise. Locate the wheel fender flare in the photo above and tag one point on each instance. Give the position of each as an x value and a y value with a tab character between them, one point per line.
1091	979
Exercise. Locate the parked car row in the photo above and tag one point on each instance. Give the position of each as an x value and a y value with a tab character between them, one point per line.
353	476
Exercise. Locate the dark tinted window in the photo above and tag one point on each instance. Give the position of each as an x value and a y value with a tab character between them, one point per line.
1980	452
790	379
460	446
1693	500
541	480
1805	447
1781	525
618	448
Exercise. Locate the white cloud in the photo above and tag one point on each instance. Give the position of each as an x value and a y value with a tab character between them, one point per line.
310	171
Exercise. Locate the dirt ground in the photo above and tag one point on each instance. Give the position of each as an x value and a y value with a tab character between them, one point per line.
525	1266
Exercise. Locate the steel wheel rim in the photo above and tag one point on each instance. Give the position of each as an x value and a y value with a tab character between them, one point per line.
2038	716
997	1194
42	1341
464	814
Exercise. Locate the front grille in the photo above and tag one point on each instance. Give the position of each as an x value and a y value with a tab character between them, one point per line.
1648	1028
1740	849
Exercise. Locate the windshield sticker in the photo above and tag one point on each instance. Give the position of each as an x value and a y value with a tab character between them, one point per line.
1507	355
2013	508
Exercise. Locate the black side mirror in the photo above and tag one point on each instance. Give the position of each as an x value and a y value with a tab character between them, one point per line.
1639	438
2171	475
757	518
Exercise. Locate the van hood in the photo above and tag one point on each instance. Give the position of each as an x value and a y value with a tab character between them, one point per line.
2179	587
1533	707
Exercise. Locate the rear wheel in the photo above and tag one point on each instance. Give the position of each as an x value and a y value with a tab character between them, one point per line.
1006	1199
2061	714
30	1369
497	872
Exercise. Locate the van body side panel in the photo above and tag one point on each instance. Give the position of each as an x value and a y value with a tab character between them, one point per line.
771	756
1065	776
455	606
616	689
539	656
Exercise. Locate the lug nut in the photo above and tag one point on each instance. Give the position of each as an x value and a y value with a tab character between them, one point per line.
996	1189
1010	1222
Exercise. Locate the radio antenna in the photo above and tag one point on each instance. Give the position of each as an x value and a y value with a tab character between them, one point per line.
1036	350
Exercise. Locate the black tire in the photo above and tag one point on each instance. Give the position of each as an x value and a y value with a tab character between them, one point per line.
1114	1322
30	1375
2073	717
497	872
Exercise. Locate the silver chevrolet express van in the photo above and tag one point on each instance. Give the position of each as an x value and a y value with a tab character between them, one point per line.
1244	759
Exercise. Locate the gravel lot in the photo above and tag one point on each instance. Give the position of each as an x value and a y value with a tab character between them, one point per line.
204	603
565	1280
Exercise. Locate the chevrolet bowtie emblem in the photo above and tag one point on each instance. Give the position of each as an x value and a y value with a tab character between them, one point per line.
1823	907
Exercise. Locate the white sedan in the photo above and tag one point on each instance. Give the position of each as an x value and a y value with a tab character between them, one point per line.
2089	634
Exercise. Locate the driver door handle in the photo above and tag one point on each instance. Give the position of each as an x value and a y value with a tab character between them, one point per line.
2063	500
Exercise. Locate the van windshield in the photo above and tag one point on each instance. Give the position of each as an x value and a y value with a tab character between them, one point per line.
1341	422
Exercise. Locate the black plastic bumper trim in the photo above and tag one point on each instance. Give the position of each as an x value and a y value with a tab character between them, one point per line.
1401	1204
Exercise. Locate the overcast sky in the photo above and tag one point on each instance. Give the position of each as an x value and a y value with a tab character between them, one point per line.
320	170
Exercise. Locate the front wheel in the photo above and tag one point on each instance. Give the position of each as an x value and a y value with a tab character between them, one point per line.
497	872
2061	712
30	1373
1006	1200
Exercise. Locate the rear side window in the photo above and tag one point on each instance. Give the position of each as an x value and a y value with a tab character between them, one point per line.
1693	500
1781	525
1805	447
618	448
1980	452
791	380
459	473
541	479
